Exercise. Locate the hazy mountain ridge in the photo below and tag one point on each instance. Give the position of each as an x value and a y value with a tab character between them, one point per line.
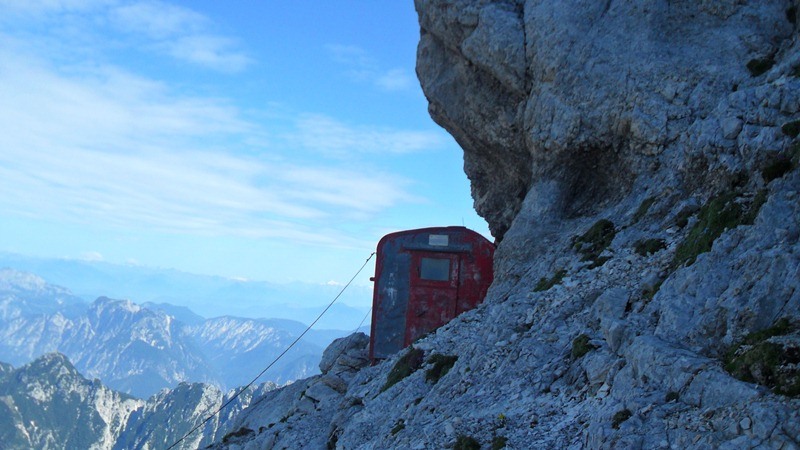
25	293
240	348
208	296
48	404
140	350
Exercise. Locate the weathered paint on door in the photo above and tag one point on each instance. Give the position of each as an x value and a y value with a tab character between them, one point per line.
433	297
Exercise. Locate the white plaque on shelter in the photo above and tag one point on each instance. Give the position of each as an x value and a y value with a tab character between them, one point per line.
439	240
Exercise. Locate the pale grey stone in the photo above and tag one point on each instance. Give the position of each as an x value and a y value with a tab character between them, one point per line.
745	423
614	334
611	304
348	352
731	127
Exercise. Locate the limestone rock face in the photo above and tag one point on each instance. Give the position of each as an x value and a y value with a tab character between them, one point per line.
641	162
574	101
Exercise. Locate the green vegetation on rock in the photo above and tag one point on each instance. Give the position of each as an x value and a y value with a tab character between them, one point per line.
682	218
760	359
594	241
581	346
499	442
464	442
644	207
649	293
405	366
721	213
619	417
441	365
546	283
646	247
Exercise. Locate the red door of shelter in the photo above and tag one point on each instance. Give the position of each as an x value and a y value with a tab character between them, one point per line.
434	293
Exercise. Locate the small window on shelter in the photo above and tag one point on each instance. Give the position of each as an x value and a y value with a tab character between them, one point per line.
434	269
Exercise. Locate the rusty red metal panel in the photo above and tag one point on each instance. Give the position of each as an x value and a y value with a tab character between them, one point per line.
423	279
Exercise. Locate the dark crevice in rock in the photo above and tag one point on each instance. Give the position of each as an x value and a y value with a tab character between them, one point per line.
592	177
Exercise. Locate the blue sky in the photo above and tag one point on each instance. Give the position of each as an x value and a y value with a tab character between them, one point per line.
269	140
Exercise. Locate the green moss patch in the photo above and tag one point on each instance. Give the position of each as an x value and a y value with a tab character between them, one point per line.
441	365
644	207
619	417
760	66
682	218
781	328
464	442
766	361
649	293
791	129
721	213
646	247
499	442
594	241
405	366
581	346
546	283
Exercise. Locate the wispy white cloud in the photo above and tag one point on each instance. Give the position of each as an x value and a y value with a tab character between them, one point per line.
395	80
50	6
107	147
334	138
361	67
150	25
157	20
351	55
210	51
92	256
347	191
181	33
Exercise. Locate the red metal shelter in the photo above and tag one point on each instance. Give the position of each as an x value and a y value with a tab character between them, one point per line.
423	279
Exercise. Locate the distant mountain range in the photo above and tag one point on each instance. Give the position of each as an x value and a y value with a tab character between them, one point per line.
49	404
141	349
208	296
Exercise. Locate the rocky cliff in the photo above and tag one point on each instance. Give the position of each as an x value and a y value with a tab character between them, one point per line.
48	404
638	162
